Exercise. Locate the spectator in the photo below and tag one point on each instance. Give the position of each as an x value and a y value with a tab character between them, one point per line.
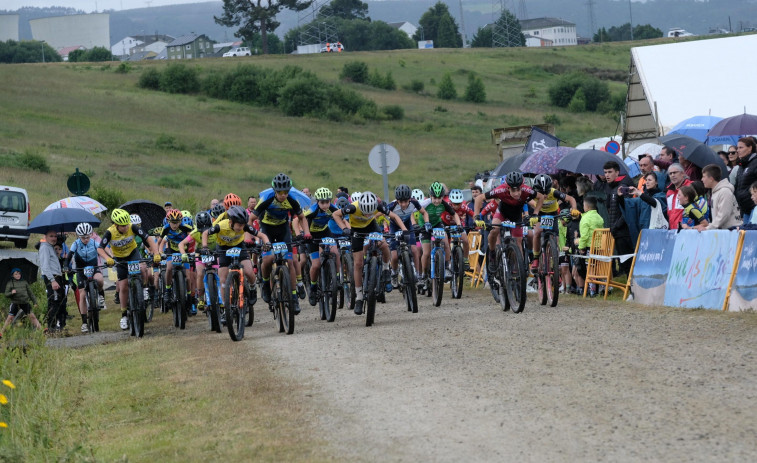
638	211
724	156
723	208
692	171
692	216
20	294
343	189
614	184
747	151
306	191
753	193
251	203
701	201
666	157
167	205
52	275
590	221
677	180
733	164
583	186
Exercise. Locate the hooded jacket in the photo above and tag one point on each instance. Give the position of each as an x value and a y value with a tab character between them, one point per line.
723	208
23	294
744	179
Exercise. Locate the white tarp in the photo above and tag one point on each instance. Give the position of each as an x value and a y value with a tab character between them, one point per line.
681	80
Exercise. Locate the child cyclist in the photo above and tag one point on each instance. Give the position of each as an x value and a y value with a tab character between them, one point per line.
171	236
231	233
549	206
203	221
20	294
435	209
84	254
121	238
406	208
463	210
318	216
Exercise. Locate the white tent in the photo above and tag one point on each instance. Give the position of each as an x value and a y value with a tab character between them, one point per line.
672	82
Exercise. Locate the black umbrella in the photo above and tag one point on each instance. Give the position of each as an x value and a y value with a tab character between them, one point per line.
588	161
16	259
737	126
693	151
510	164
61	220
152	214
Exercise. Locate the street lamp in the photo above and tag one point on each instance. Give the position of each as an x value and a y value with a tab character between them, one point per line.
42	44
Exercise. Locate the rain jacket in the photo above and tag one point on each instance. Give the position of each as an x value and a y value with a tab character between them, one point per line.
744	179
675	210
724	211
23	292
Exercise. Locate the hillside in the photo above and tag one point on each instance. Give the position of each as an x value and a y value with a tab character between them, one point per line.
189	149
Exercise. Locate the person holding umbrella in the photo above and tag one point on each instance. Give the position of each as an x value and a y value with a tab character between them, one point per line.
52	275
20	294
747	151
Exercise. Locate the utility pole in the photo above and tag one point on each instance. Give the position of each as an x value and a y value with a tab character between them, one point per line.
630	14
462	23
43	50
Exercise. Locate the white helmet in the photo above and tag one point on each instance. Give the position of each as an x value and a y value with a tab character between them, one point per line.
136	220
456	196
418	195
368	203
84	229
355	196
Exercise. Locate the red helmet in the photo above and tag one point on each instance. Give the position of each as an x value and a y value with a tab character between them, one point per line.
174	215
231	200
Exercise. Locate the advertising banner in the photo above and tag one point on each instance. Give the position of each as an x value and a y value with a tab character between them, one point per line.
744	289
650	271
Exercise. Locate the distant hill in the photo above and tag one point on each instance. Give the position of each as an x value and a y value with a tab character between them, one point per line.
695	16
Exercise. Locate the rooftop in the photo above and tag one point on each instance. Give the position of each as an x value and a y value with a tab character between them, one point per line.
541	23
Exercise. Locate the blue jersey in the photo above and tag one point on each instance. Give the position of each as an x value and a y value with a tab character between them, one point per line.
84	254
174	237
272	212
318	219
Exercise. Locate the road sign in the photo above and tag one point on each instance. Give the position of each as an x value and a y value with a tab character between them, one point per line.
384	159
612	147
78	183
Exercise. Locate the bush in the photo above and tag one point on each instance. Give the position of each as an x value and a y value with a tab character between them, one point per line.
244	89
178	78
303	95
578	102
415	86
346	100
123	68
552	119
561	93
169	143
33	161
368	111
150	79
393	112
217	85
447	89
108	197
475	91
385	82
355	71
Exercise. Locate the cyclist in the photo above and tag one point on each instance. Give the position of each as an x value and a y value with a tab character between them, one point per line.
362	219
171	236
121	238
549	206
203	222
318	216
513	194
273	211
435	209
231	233
463	211
84	253
231	199
406	208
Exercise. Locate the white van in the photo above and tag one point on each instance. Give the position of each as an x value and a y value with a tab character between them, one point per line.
15	215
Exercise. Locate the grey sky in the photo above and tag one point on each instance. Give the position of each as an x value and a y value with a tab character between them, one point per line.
90	5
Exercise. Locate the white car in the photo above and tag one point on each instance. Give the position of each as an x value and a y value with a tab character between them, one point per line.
238	51
15	215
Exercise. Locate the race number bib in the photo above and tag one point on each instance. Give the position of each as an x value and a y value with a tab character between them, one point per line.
176	258
375	236
438	233
89	271
133	267
547	221
233	252
279	248
207	260
328	241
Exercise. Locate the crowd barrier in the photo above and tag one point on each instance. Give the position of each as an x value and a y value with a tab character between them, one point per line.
710	270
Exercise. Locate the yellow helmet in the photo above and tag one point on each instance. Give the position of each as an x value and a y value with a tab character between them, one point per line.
120	217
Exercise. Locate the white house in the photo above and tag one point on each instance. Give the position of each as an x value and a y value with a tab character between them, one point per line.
559	31
123	46
152	43
405	27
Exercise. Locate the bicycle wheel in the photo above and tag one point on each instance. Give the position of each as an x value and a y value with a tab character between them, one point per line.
305	271
370	290
502	269
249	315
409	290
214	308
285	306
234	307
329	288
348	280
161	292
552	278
92	307
180	296
458	273
438	278
515	278
135	308
541	284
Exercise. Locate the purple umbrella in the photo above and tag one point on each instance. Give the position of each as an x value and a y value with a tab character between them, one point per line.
545	161
731	129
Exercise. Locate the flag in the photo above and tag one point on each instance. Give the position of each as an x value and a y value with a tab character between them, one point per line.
539	140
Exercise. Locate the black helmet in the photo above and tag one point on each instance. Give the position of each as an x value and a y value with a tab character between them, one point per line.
281	182
238	214
342	202
402	193
203	221
514	179
542	183
217	210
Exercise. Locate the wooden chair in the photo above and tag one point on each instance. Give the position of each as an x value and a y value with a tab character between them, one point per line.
476	259
599	270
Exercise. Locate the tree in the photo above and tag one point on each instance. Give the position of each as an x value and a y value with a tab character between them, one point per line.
483	37
97	54
27	51
446	36
275	46
430	22
345	9
623	33
475	91
509	24
256	16
447	89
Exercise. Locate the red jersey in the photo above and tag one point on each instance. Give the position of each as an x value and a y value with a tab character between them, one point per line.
466	209
506	201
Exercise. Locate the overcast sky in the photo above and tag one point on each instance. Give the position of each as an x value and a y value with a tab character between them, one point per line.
91	5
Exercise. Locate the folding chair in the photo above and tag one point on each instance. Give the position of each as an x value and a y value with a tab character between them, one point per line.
599	268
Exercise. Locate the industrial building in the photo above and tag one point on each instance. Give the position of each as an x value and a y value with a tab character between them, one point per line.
87	30
8	27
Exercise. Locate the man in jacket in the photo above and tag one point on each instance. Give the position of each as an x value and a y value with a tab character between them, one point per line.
747	151
723	208
677	180
618	227
52	274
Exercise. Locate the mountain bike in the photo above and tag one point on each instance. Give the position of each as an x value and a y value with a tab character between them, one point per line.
456	261
509	279
93	307
406	278
161	288
179	301
438	235
136	305
327	280
548	273
213	297
346	276
237	294
281	289
305	264
373	286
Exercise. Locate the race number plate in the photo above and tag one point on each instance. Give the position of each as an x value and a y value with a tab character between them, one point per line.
233	252
207	260
279	248
133	267
375	236
508	224
547	221
328	241
176	258
345	244
439	233
89	271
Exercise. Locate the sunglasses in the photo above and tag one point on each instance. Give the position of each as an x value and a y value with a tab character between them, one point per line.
731	152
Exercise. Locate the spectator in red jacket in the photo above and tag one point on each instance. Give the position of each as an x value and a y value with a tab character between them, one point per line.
678	179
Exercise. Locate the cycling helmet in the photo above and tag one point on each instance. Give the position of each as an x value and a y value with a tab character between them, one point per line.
217	210
514	179
120	217
342	202
174	215
542	183
456	196
83	229
186	214
368	202
436	190
418	194
402	193
136	220
187	222
281	182
355	196
323	194
203	221
231	200
238	214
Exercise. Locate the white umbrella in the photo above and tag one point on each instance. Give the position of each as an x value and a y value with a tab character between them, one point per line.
78	202
598	143
646	148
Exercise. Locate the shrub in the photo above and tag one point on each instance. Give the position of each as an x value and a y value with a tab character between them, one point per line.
179	78
578	102
302	95
346	100
33	161
393	112
150	79
552	119
368	111
416	86
561	93
475	91
123	68
244	89
108	197
355	71
385	82
447	89
216	85
440	109
169	143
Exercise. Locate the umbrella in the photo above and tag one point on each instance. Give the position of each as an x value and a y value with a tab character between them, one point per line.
510	164
586	161
544	161
597	143
696	127
729	130
152	214
61	220
694	151
10	259
646	148
78	202
301	197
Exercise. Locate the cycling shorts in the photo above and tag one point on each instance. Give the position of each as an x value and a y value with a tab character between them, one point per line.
313	246
278	233
410	237
122	271
516	232
81	280
225	261
357	241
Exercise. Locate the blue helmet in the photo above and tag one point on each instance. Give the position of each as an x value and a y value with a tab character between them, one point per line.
187	222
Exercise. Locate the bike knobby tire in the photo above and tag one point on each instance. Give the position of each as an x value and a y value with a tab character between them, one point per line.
235	307
214	309
285	300
370	289
328	290
348	277
135	308
409	290
552	277
438	278
458	273
93	309
515	278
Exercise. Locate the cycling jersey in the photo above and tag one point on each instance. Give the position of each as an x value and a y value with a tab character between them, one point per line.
273	212
122	244
552	200
196	236
174	237
318	219
83	254
227	236
221	216
360	220
435	213
405	214
506	201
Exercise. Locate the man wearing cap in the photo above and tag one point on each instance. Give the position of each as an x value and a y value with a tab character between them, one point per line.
20	294
168	205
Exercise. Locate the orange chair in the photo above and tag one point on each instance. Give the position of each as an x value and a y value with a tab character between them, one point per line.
599	269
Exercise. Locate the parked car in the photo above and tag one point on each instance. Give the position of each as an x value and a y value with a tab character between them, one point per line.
332	47
15	215
238	51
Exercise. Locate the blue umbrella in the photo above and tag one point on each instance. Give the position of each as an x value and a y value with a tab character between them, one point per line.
696	127
301	197
61	220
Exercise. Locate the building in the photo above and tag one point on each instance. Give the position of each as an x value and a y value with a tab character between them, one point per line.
190	46
405	27
8	27
560	32
87	30
152	43
533	41
122	47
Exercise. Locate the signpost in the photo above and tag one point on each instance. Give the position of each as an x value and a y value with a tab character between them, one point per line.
384	159
78	183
